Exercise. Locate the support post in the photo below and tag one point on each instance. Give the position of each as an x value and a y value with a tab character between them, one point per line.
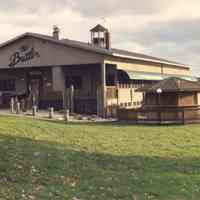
103	90
18	108
66	115
51	112
58	80
34	110
72	99
67	97
12	104
99	101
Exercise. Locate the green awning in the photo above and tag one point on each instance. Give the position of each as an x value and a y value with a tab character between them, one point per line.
133	75
147	76
188	78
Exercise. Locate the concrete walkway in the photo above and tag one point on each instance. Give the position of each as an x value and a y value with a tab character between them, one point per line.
44	114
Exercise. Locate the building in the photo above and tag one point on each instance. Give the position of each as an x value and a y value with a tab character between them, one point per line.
172	100
43	67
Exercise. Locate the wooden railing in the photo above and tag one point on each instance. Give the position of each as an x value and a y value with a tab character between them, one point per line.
161	115
122	96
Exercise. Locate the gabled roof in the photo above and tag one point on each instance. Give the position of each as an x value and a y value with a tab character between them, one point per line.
173	84
98	28
89	47
65	42
143	56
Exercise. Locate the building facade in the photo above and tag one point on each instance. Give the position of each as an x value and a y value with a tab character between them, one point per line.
44	67
172	100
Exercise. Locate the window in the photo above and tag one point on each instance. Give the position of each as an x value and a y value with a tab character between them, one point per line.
110	80
76	81
7	85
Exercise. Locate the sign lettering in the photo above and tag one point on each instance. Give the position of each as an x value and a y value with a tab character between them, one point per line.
24	54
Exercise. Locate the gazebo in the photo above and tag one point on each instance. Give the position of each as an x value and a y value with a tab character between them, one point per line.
173	100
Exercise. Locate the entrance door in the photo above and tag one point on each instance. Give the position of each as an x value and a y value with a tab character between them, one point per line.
34	87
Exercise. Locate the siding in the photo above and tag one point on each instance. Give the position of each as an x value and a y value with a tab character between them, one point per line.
50	54
141	66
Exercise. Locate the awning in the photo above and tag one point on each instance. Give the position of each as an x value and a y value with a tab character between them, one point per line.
188	78
147	76
133	75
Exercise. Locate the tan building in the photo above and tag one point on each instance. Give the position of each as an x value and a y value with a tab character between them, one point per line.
173	100
43	67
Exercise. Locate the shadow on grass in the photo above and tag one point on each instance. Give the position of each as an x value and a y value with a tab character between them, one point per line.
52	171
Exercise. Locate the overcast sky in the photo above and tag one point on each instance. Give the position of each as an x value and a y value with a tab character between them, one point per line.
164	28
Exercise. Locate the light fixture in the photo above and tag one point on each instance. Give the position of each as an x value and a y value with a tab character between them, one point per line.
159	91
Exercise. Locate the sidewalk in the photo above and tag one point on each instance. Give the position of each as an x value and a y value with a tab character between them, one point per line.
59	116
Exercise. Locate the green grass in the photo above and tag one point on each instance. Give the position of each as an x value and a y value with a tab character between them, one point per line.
78	161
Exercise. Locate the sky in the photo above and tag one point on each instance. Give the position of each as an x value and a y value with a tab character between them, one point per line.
165	28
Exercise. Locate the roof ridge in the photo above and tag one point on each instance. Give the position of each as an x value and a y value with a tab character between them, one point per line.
110	52
150	56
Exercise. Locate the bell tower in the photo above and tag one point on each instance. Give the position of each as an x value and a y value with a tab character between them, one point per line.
100	37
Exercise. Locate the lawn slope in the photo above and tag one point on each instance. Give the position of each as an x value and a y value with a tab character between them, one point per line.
55	161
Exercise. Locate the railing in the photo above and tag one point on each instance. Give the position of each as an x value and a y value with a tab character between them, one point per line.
112	92
122	96
161	115
131	85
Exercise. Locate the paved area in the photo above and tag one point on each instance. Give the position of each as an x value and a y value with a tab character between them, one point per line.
44	114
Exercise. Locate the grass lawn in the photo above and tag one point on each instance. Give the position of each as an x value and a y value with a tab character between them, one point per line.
51	160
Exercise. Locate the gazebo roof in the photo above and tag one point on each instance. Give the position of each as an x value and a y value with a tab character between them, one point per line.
173	84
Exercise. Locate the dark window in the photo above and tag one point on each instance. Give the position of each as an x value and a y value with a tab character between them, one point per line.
7	85
76	81
110	80
123	77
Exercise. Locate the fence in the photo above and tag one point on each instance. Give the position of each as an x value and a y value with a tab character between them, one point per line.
161	116
122	96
